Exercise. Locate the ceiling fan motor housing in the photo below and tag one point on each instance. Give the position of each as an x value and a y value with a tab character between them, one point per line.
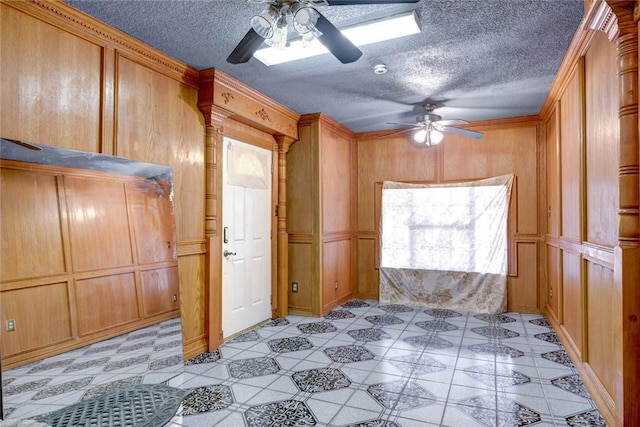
428	118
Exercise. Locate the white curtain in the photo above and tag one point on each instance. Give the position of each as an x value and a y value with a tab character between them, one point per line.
445	245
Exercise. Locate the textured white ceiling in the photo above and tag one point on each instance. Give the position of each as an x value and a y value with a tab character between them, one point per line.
478	59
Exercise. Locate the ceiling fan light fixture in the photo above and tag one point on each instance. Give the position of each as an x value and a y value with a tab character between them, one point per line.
304	18
265	22
428	138
280	37
393	27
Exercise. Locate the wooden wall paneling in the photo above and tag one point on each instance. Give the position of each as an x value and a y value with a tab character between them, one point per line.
99	226
552	167
368	277
302	192
602	146
571	134
160	290
193	303
93	314
302	265
50	74
343	276
30	248
31	331
335	165
572	299
522	291
554	277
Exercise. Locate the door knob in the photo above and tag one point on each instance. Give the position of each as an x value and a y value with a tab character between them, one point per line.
227	253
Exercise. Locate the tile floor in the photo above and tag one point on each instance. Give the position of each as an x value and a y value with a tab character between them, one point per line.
367	364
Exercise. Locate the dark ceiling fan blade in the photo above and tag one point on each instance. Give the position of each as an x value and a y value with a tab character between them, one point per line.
246	48
463	132
359	2
340	46
397	132
23	144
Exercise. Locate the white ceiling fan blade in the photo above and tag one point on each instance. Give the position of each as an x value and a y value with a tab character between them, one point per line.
452	122
463	132
399	132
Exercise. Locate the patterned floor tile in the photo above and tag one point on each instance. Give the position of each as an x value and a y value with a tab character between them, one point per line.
588	418
395	308
550	337
495	332
175	360
428	341
349	354
317	328
286	345
41	367
283	413
65	387
497	349
134	347
24	387
104	388
417	364
209	357
384	320
368	334
205	399
558	356
339	314
137	336
254	367
113	366
355	303
87	364
281	321
573	384
323	379
495	318
375	423
509	412
246	337
436	326
541	322
399	395
166	346
102	349
442	313
502	376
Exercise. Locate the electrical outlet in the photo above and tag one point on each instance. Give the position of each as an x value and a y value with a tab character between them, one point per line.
11	325
174	298
294	286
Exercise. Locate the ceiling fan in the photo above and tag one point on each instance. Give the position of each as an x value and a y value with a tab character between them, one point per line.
272	26
430	127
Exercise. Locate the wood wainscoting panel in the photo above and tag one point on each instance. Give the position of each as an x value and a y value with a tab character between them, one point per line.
602	145
336	273
152	213
552	141
302	266
554	277
52	324
30	232
522	292
603	325
159	291
571	156
368	275
572	299
302	189
50	83
192	298
105	302
99	229
335	155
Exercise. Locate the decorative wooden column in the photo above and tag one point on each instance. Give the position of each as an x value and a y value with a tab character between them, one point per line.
282	303
627	253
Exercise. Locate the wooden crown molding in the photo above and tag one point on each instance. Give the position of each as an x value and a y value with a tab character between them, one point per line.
603	19
327	123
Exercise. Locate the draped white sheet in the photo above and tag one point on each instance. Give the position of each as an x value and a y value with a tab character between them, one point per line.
445	245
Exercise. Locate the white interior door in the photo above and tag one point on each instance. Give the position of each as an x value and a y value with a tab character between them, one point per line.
246	267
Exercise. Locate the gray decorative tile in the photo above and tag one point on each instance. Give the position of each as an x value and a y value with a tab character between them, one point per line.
7	381
166	362
339	314
205	399
126	362
436	326
368	334
138	336
573	384
322	379
286	345
41	367
495	318
584	419
348	354
102	349
173	324
428	341
209	357
417	364
8	411
395	308
495	332
502	376
62	388
497	349
558	356
442	313
169	333
247	337
509	413
166	346
283	413
281	321
254	367
548	337
398	395
356	303
317	328
114	385
88	364
384	320
25	387
541	322
134	347
375	423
